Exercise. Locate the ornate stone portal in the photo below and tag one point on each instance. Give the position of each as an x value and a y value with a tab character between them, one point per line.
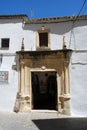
55	63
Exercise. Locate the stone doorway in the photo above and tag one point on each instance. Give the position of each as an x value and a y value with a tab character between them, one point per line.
44	90
44	80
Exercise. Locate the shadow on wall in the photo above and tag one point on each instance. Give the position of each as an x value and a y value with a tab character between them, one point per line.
15	65
60	28
61	124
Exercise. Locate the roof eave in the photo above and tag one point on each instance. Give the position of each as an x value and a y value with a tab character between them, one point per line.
56	19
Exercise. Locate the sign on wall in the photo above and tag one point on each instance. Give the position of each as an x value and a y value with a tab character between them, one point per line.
3	76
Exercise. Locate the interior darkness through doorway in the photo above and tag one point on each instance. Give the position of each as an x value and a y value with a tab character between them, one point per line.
44	90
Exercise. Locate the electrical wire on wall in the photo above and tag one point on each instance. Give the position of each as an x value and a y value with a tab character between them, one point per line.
75	19
72	34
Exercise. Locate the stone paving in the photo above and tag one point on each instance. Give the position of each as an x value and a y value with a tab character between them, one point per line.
40	121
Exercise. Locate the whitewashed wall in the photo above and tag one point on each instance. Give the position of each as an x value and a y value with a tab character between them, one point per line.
79	83
8	90
11	29
16	30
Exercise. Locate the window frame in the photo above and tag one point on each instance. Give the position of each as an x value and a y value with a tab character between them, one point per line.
38	42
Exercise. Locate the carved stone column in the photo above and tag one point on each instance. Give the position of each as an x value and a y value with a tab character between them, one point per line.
22	103
66	88
22	79
59	94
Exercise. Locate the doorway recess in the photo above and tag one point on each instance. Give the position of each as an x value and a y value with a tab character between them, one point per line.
44	90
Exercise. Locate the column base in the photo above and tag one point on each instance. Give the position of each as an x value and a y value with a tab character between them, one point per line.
22	103
67	109
65	104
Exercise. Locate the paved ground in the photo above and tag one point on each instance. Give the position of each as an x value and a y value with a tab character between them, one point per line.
40	121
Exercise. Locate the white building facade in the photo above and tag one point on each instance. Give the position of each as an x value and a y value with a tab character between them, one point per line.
17	32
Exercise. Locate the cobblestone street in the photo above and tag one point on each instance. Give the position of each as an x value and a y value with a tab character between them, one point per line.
40	121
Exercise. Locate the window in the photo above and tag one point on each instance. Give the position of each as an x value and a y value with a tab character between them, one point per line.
5	43
43	39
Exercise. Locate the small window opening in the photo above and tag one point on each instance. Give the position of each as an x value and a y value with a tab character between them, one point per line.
5	43
43	39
